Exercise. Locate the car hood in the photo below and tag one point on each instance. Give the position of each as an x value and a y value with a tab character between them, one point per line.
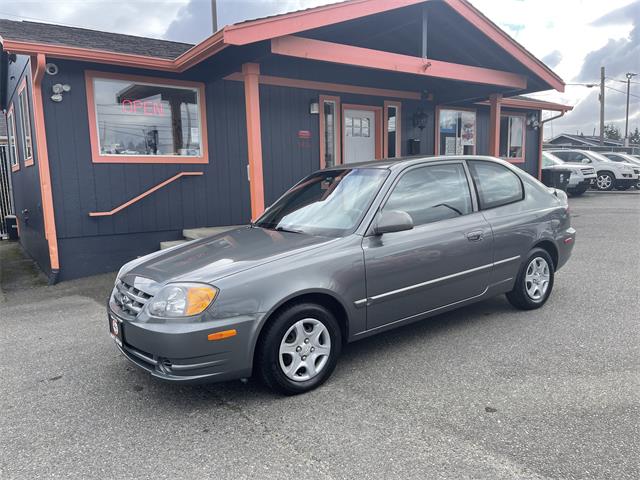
212	258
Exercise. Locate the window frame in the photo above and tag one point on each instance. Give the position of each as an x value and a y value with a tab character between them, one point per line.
25	122
436	143
12	136
98	157
337	129
385	133
477	190
522	115
475	206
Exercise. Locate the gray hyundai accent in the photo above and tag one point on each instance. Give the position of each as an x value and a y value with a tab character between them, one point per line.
346	253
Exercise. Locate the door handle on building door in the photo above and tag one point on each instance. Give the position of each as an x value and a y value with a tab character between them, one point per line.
475	236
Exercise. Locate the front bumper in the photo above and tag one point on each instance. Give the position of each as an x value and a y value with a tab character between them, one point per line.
625	182
181	352
580	182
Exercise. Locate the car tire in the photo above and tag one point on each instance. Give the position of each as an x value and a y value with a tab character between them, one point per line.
290	343
605	181
534	271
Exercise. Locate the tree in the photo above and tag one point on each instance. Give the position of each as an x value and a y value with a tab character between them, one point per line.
634	137
612	132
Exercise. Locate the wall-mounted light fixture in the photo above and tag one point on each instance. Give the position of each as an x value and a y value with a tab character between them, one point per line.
314	107
58	89
420	119
532	121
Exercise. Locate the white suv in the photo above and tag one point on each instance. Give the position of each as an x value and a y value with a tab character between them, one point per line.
610	174
625	158
581	176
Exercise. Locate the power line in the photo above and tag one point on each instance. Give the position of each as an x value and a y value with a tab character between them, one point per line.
620	91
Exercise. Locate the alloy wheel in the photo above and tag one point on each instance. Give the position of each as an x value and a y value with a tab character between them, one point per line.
537	278
305	349
604	182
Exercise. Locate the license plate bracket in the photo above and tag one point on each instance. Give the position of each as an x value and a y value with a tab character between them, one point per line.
116	329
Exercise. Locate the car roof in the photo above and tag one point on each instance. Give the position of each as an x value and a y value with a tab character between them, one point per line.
401	162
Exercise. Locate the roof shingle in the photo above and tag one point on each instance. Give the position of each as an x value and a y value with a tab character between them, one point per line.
94	39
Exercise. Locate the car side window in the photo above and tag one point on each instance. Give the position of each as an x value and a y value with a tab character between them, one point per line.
496	184
562	156
432	193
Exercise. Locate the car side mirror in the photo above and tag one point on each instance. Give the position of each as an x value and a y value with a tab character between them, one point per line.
392	221
586	160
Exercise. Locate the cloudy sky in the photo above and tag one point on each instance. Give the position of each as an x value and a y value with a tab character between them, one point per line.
574	37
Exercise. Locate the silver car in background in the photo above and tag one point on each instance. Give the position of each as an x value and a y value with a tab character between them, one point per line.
609	174
346	253
632	160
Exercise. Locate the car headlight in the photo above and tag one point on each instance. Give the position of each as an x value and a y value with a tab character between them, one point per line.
182	300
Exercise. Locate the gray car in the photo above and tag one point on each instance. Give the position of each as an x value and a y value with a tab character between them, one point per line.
346	253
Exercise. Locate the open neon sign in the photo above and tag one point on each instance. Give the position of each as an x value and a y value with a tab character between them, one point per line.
143	107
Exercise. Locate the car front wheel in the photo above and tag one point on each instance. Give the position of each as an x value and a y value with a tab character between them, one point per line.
299	349
534	282
605	181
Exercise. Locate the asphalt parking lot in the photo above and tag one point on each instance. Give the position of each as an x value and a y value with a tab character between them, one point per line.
486	392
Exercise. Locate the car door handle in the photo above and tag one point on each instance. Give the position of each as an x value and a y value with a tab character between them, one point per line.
475	236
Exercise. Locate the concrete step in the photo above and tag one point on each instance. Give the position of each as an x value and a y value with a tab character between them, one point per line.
171	243
196	233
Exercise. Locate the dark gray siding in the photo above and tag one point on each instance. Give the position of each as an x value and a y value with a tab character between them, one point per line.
219	197
285	111
26	181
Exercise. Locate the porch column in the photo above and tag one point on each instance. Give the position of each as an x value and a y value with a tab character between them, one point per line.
494	124
251	73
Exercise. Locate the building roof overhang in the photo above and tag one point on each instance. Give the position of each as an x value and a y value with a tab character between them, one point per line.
276	26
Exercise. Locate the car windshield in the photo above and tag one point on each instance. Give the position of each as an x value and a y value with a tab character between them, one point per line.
327	203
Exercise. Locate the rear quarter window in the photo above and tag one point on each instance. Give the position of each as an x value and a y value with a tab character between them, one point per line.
496	184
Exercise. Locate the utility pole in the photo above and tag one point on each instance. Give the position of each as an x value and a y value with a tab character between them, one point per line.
626	121
601	105
214	16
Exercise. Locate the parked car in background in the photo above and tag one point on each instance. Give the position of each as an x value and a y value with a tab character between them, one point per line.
609	174
346	253
579	177
626	158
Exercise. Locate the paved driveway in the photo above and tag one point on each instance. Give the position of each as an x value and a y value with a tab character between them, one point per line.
486	392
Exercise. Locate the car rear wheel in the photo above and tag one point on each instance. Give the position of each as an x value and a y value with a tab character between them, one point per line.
605	181
299	349
534	282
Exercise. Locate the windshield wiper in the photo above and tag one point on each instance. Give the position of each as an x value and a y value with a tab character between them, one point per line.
449	207
291	230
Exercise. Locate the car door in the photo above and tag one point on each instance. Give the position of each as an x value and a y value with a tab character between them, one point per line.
514	216
444	259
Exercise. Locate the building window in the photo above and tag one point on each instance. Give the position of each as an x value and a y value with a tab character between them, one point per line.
456	132
392	136
25	122
329	131
11	137
512	137
146	120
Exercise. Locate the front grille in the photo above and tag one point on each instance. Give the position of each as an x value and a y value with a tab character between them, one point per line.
130	299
